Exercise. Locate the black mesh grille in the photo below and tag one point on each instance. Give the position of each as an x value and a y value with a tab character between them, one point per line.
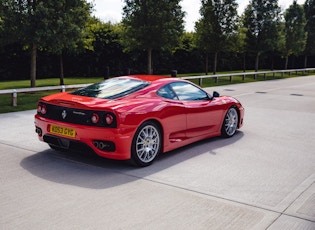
76	116
73	145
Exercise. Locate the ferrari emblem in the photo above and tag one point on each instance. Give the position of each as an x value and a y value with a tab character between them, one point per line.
64	114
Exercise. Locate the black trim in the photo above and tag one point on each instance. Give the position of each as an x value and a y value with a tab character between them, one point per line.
76	116
77	146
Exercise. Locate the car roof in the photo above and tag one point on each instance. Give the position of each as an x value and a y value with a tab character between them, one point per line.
147	77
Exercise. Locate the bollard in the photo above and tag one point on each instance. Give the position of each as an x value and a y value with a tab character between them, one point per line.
63	88
200	82
107	73
174	73
14	98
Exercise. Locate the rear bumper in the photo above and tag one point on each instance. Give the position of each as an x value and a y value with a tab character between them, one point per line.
87	138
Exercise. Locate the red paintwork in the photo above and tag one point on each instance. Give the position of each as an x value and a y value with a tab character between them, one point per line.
182	122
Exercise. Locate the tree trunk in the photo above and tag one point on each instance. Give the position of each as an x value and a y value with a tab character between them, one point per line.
207	64
305	61
150	61
286	62
257	62
215	62
33	65
272	62
244	63
293	62
61	70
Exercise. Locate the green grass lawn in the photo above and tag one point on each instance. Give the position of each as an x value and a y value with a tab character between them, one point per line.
28	101
46	82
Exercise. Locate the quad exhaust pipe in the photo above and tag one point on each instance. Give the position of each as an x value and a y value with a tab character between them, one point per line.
100	145
104	145
39	131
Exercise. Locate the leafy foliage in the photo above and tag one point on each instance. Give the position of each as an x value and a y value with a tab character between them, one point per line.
39	24
309	8
89	47
103	43
150	25
217	26
295	35
261	19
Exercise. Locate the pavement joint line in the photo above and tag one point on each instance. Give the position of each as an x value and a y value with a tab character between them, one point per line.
178	187
11	145
198	192
222	198
274	221
291	203
297	197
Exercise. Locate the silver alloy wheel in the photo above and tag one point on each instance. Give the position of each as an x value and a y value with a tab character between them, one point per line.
230	122
147	143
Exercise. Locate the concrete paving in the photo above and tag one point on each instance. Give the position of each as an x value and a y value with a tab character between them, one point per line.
262	178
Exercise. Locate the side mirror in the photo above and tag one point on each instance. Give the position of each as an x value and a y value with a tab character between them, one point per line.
216	94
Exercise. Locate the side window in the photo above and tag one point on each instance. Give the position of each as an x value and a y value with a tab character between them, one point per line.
167	92
188	92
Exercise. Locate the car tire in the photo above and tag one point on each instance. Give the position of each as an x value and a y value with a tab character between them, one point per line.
146	144
230	122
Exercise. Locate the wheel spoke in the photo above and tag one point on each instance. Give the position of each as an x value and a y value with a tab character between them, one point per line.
141	139
231	121
147	143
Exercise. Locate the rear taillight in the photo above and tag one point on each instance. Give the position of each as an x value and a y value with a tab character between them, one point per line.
109	119
44	109
41	108
95	118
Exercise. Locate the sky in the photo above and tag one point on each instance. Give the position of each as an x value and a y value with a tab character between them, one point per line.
111	10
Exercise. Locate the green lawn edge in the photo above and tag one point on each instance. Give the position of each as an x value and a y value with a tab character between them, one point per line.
28	101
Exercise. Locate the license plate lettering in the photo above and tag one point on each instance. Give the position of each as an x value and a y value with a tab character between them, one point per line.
56	129
68	132
62	131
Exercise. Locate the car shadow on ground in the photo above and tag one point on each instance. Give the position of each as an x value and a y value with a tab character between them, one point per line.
98	173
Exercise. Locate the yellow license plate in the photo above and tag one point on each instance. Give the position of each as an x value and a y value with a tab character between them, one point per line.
62	131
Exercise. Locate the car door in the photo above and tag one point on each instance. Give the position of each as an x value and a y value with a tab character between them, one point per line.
203	115
173	115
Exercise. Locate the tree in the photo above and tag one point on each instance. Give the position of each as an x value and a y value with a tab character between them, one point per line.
309	8
295	35
39	24
216	28
105	45
261	20
67	20
240	45
152	25
1	26
186	56
21	20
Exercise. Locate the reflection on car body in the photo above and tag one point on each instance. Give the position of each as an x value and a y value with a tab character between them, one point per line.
135	117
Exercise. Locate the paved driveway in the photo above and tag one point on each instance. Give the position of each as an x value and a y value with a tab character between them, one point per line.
262	178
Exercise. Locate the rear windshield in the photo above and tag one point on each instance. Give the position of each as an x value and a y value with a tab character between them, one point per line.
112	88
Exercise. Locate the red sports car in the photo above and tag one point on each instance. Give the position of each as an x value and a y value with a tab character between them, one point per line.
135	117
